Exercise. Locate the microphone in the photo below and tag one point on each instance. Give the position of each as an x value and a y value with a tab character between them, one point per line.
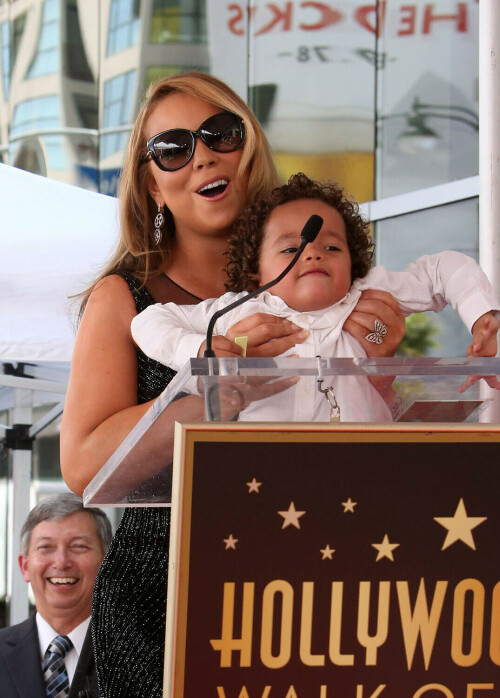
308	234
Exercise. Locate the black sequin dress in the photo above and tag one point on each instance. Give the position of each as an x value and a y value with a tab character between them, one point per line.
128	609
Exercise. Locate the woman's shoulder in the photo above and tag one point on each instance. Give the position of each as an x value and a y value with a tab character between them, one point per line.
111	294
115	283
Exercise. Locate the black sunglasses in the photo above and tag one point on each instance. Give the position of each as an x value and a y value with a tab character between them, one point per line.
173	149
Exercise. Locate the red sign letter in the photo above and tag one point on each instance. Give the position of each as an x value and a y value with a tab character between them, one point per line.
460	18
233	21
284	16
409	20
328	16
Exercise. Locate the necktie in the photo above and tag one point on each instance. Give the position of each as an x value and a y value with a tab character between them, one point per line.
54	669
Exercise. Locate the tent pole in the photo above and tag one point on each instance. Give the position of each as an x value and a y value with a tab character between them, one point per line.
489	140
489	158
21	446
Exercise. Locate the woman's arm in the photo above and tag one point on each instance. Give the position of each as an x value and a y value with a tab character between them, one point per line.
378	305
101	403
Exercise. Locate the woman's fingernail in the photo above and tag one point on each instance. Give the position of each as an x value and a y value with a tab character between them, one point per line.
303	335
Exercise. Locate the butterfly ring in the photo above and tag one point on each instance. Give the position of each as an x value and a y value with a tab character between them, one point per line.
377	336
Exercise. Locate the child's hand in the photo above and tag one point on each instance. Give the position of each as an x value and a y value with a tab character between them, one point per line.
484	336
222	346
484	343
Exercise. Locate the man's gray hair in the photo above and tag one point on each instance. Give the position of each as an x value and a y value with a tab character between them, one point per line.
56	507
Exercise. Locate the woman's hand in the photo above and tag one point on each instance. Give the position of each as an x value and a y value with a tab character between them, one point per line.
260	329
382	306
235	393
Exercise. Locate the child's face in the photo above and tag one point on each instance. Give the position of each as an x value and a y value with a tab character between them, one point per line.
322	276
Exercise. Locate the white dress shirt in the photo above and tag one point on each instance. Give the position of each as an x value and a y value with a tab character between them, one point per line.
46	634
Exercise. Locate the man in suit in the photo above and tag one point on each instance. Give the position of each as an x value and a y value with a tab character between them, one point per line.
62	547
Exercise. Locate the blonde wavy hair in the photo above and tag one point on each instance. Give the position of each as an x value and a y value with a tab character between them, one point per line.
136	250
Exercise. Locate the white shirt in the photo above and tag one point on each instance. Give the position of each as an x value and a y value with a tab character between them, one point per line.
172	334
46	634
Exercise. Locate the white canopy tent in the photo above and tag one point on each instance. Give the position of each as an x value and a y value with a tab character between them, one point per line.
54	238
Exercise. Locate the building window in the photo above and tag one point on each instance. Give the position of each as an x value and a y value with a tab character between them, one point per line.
77	65
18	25
5	39
179	21
158	72
87	109
46	60
116	112
123	25
37	115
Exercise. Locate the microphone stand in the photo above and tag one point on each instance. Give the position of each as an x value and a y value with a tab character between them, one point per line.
308	234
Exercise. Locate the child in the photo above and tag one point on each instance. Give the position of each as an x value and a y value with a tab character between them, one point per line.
318	295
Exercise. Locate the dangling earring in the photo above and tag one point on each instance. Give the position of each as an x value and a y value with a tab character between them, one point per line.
159	223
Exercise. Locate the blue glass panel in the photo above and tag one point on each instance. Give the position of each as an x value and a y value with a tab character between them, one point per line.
51	10
113	13
56	154
49	36
46	60
135	33
123	30
118	95
124	11
113	115
36	114
122	38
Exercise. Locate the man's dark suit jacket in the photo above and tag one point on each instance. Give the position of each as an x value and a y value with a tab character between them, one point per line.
20	666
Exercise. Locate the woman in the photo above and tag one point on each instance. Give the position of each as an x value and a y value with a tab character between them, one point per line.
198	180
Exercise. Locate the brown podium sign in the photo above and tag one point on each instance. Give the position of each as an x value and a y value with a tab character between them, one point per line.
337	562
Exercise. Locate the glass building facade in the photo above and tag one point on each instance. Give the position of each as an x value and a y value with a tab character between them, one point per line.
381	96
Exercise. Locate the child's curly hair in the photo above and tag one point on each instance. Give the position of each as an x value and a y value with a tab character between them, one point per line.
246	240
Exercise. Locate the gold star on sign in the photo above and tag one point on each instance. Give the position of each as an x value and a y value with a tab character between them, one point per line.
253	486
349	506
459	526
327	553
291	517
385	549
230	542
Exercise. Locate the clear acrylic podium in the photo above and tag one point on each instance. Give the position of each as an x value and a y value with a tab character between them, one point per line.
314	556
410	390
